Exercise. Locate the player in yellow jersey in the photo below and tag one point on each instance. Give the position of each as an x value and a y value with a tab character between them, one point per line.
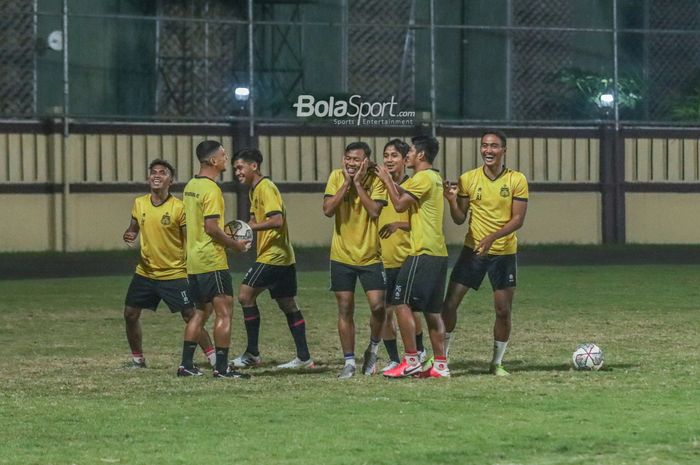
420	286
160	273
395	242
355	196
274	268
497	198
207	266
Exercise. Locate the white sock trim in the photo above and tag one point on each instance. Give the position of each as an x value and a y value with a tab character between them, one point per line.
499	348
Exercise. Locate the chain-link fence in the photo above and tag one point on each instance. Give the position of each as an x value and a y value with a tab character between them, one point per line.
449	61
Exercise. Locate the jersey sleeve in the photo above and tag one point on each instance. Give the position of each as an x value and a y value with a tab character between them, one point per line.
135	210
379	193
334	183
417	185
181	219
463	186
212	204
520	188
271	200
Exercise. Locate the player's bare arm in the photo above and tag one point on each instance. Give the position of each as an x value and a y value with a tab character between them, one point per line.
131	232
518	211
400	199
390	228
373	207
458	205
271	222
331	202
211	227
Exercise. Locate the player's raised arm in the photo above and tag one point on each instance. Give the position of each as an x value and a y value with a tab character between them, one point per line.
373	207
401	199
459	204
335	192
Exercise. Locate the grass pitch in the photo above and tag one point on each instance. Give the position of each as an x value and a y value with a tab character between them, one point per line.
64	398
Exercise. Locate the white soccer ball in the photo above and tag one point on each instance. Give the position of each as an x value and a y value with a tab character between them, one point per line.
239	230
588	357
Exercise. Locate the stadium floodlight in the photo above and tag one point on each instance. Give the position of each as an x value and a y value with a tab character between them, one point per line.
607	100
242	94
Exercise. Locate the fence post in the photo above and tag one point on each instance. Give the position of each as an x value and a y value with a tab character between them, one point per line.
612	183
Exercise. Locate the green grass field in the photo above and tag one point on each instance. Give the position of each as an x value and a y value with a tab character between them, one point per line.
64	398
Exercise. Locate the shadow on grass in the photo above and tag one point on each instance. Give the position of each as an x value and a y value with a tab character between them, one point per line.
275	372
479	367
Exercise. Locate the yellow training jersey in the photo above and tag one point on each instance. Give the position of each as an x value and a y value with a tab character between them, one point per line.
396	247
355	236
274	247
426	217
203	199
490	203
162	240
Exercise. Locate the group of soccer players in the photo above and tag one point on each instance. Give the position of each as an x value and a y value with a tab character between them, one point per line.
388	233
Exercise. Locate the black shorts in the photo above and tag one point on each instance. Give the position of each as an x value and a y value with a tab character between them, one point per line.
147	293
470	270
391	275
421	283
204	287
280	280
344	277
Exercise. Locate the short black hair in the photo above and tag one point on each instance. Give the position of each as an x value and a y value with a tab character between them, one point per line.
359	146
496	133
401	146
160	161
206	149
249	155
428	145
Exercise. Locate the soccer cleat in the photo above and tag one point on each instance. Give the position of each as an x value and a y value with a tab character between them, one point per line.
184	372
390	366
423	356
369	363
347	372
136	364
498	370
436	370
403	370
231	374
297	364
246	359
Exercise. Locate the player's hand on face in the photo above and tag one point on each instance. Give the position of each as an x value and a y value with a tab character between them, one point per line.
362	170
129	237
348	178
388	229
449	191
383	173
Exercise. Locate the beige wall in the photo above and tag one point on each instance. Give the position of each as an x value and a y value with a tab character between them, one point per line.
26	222
663	218
552	217
97	221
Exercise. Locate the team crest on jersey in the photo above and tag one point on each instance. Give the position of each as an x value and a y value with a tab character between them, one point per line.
143	219
478	193
165	220
505	192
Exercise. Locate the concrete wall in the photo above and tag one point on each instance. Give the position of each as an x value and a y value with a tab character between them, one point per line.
551	217
663	218
106	171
